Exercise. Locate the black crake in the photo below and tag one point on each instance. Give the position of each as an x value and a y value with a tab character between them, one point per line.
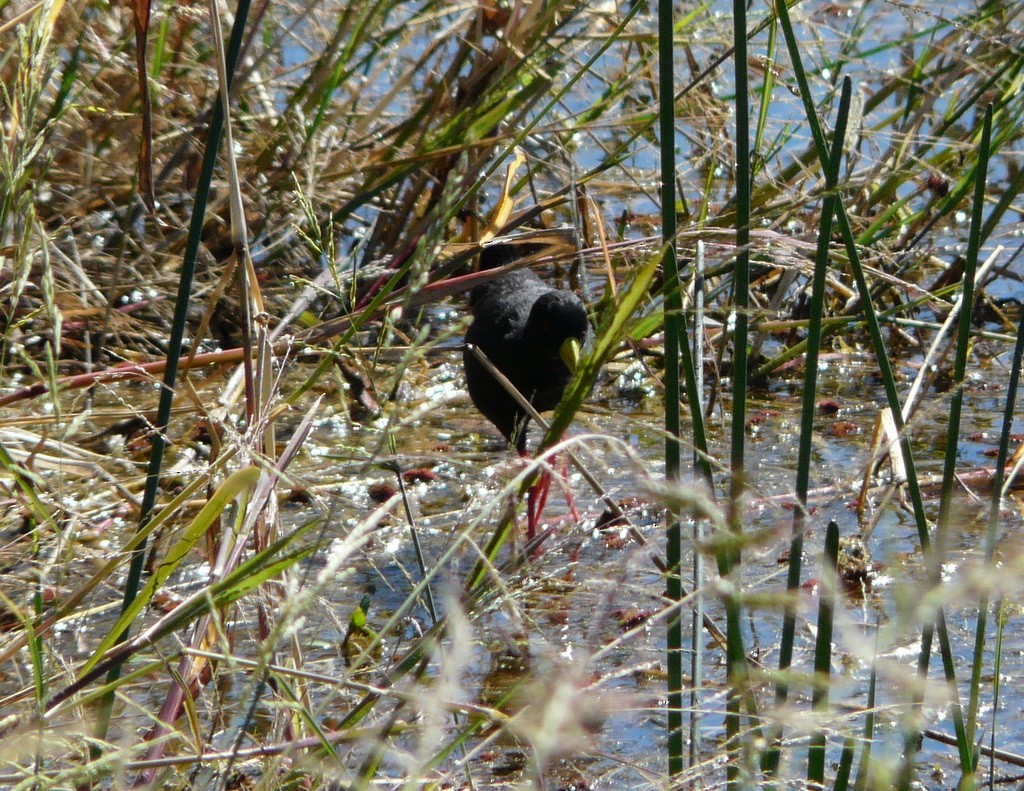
526	328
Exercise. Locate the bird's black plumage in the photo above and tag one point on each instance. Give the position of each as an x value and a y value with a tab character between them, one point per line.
526	329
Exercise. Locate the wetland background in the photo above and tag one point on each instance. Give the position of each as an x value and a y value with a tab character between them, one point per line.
255	534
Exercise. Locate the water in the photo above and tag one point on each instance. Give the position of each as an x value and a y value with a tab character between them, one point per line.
578	634
584	618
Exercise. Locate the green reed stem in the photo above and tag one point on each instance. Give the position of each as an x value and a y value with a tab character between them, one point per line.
995	505
823	648
730	560
1001	619
674	341
864	765
882	359
174	350
808	405
741	278
845	764
935	555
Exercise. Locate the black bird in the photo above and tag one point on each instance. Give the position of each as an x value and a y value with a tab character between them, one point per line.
531	332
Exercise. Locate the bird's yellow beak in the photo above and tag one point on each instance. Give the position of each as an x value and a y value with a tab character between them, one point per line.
570	354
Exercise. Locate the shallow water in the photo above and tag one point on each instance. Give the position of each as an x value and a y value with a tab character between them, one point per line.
580	631
584	616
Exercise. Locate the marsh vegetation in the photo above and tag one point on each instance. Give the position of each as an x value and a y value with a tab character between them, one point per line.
255	533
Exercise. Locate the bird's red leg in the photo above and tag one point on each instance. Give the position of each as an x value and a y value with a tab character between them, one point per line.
536	499
531	519
569	499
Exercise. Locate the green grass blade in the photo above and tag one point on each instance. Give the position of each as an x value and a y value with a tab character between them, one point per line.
241	481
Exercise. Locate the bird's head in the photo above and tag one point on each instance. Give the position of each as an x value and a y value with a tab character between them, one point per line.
558	327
